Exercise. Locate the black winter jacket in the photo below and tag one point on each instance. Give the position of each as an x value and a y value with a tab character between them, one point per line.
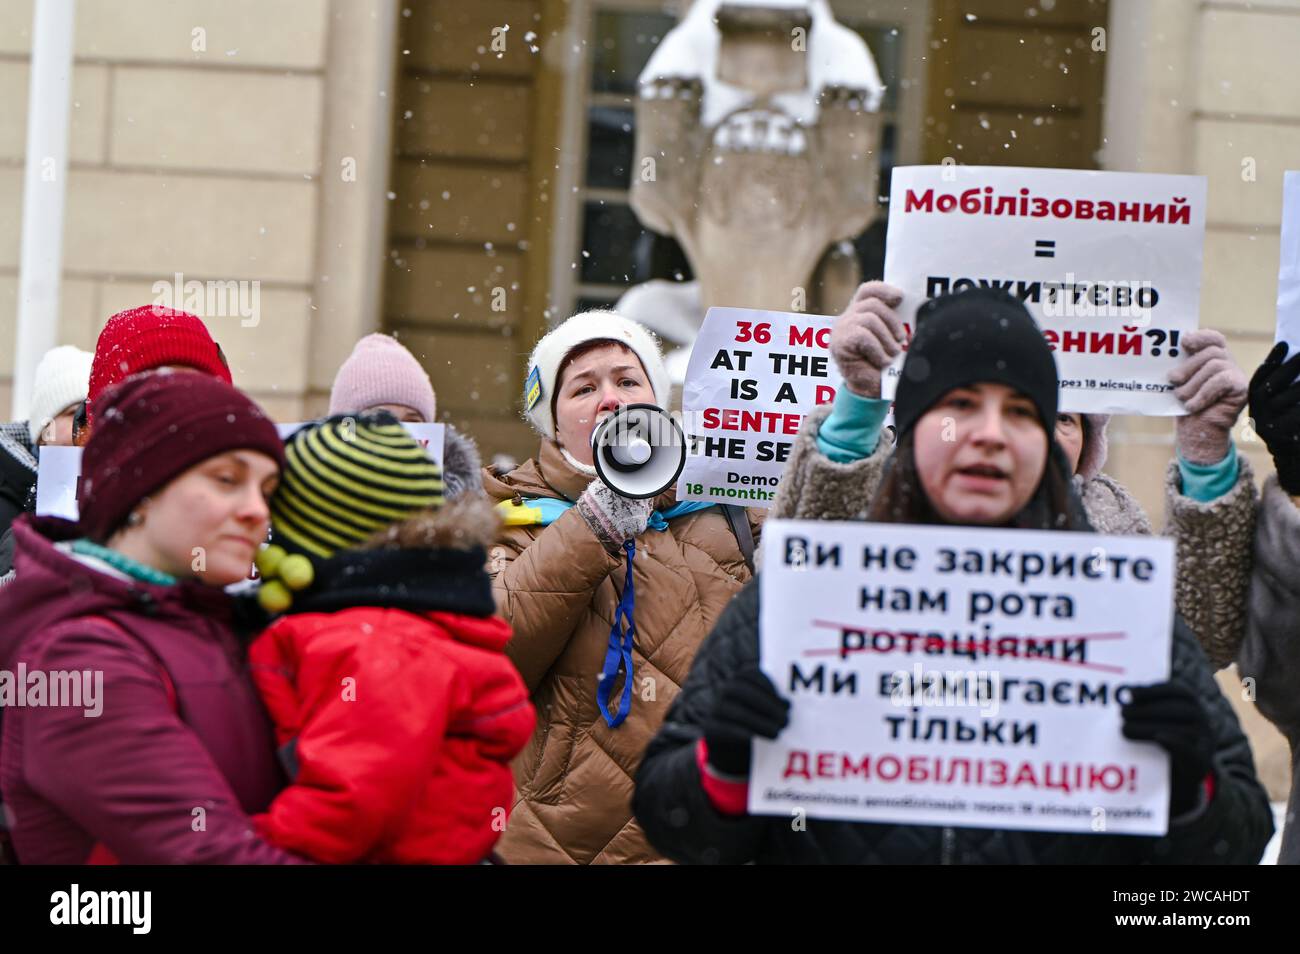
17	486
682	823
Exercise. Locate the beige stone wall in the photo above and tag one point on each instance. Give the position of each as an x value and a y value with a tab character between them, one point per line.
470	205
1204	88
997	92
222	165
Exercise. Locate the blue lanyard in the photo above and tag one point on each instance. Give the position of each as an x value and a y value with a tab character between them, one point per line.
620	650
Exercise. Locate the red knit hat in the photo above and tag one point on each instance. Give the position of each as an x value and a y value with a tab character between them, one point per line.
153	428
148	337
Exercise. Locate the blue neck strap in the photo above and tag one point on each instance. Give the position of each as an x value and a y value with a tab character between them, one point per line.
619	653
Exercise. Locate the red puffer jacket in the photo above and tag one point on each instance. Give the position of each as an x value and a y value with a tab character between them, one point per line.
392	695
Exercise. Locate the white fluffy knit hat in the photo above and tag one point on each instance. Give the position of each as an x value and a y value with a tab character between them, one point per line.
62	380
550	352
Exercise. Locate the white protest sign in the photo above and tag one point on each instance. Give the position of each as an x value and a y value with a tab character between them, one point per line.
57	471
752	377
1108	263
960	676
432	437
1288	276
59	468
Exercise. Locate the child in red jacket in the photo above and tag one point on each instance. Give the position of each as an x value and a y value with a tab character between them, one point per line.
395	706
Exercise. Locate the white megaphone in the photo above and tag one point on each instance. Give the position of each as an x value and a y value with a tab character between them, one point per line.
639	451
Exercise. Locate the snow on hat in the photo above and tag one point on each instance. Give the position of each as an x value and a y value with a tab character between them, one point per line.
1095	445
62	379
149	337
555	346
381	370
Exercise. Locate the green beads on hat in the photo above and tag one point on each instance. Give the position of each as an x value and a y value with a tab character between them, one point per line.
274	597
283	574
268	559
296	571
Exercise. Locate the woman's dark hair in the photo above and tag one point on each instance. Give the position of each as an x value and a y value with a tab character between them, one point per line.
576	352
900	498
80	432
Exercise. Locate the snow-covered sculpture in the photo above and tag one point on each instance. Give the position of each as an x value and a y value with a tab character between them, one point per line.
757	132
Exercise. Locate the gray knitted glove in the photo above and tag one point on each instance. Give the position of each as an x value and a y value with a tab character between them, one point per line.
612	517
867	337
1214	390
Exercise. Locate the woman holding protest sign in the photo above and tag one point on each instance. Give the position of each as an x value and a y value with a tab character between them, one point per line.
165	753
975	448
575	556
1210	494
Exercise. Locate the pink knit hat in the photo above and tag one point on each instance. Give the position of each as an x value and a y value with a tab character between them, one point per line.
382	371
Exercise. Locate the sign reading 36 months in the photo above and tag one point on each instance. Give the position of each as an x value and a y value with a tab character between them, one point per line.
752	378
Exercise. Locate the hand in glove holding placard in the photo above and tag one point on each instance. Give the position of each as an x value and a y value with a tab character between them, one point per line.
867	337
1275	413
1213	389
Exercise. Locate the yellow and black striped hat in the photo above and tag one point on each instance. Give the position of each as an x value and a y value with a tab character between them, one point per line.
346	477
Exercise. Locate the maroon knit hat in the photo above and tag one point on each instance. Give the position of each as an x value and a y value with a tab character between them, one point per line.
149	337
156	426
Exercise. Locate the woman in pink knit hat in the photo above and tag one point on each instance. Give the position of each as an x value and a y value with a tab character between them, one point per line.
381	374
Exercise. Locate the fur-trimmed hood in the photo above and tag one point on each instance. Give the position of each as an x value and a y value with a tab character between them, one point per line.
430	562
462	524
461	465
1095	445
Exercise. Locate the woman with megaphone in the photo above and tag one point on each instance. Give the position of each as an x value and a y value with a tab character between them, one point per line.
610	583
975	448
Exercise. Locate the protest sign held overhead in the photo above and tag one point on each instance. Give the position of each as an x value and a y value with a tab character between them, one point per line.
753	376
966	677
1288	276
1108	263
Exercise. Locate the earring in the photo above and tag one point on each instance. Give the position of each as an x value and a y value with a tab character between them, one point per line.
136	519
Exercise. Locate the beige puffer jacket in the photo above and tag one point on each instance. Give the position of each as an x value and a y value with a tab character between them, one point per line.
558	587
1214	540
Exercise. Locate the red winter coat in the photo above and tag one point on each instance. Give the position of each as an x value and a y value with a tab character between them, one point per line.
402	718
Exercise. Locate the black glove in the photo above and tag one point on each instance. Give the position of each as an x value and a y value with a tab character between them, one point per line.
748	705
1173	717
1275	413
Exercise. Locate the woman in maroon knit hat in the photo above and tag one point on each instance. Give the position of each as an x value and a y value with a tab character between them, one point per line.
156	750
